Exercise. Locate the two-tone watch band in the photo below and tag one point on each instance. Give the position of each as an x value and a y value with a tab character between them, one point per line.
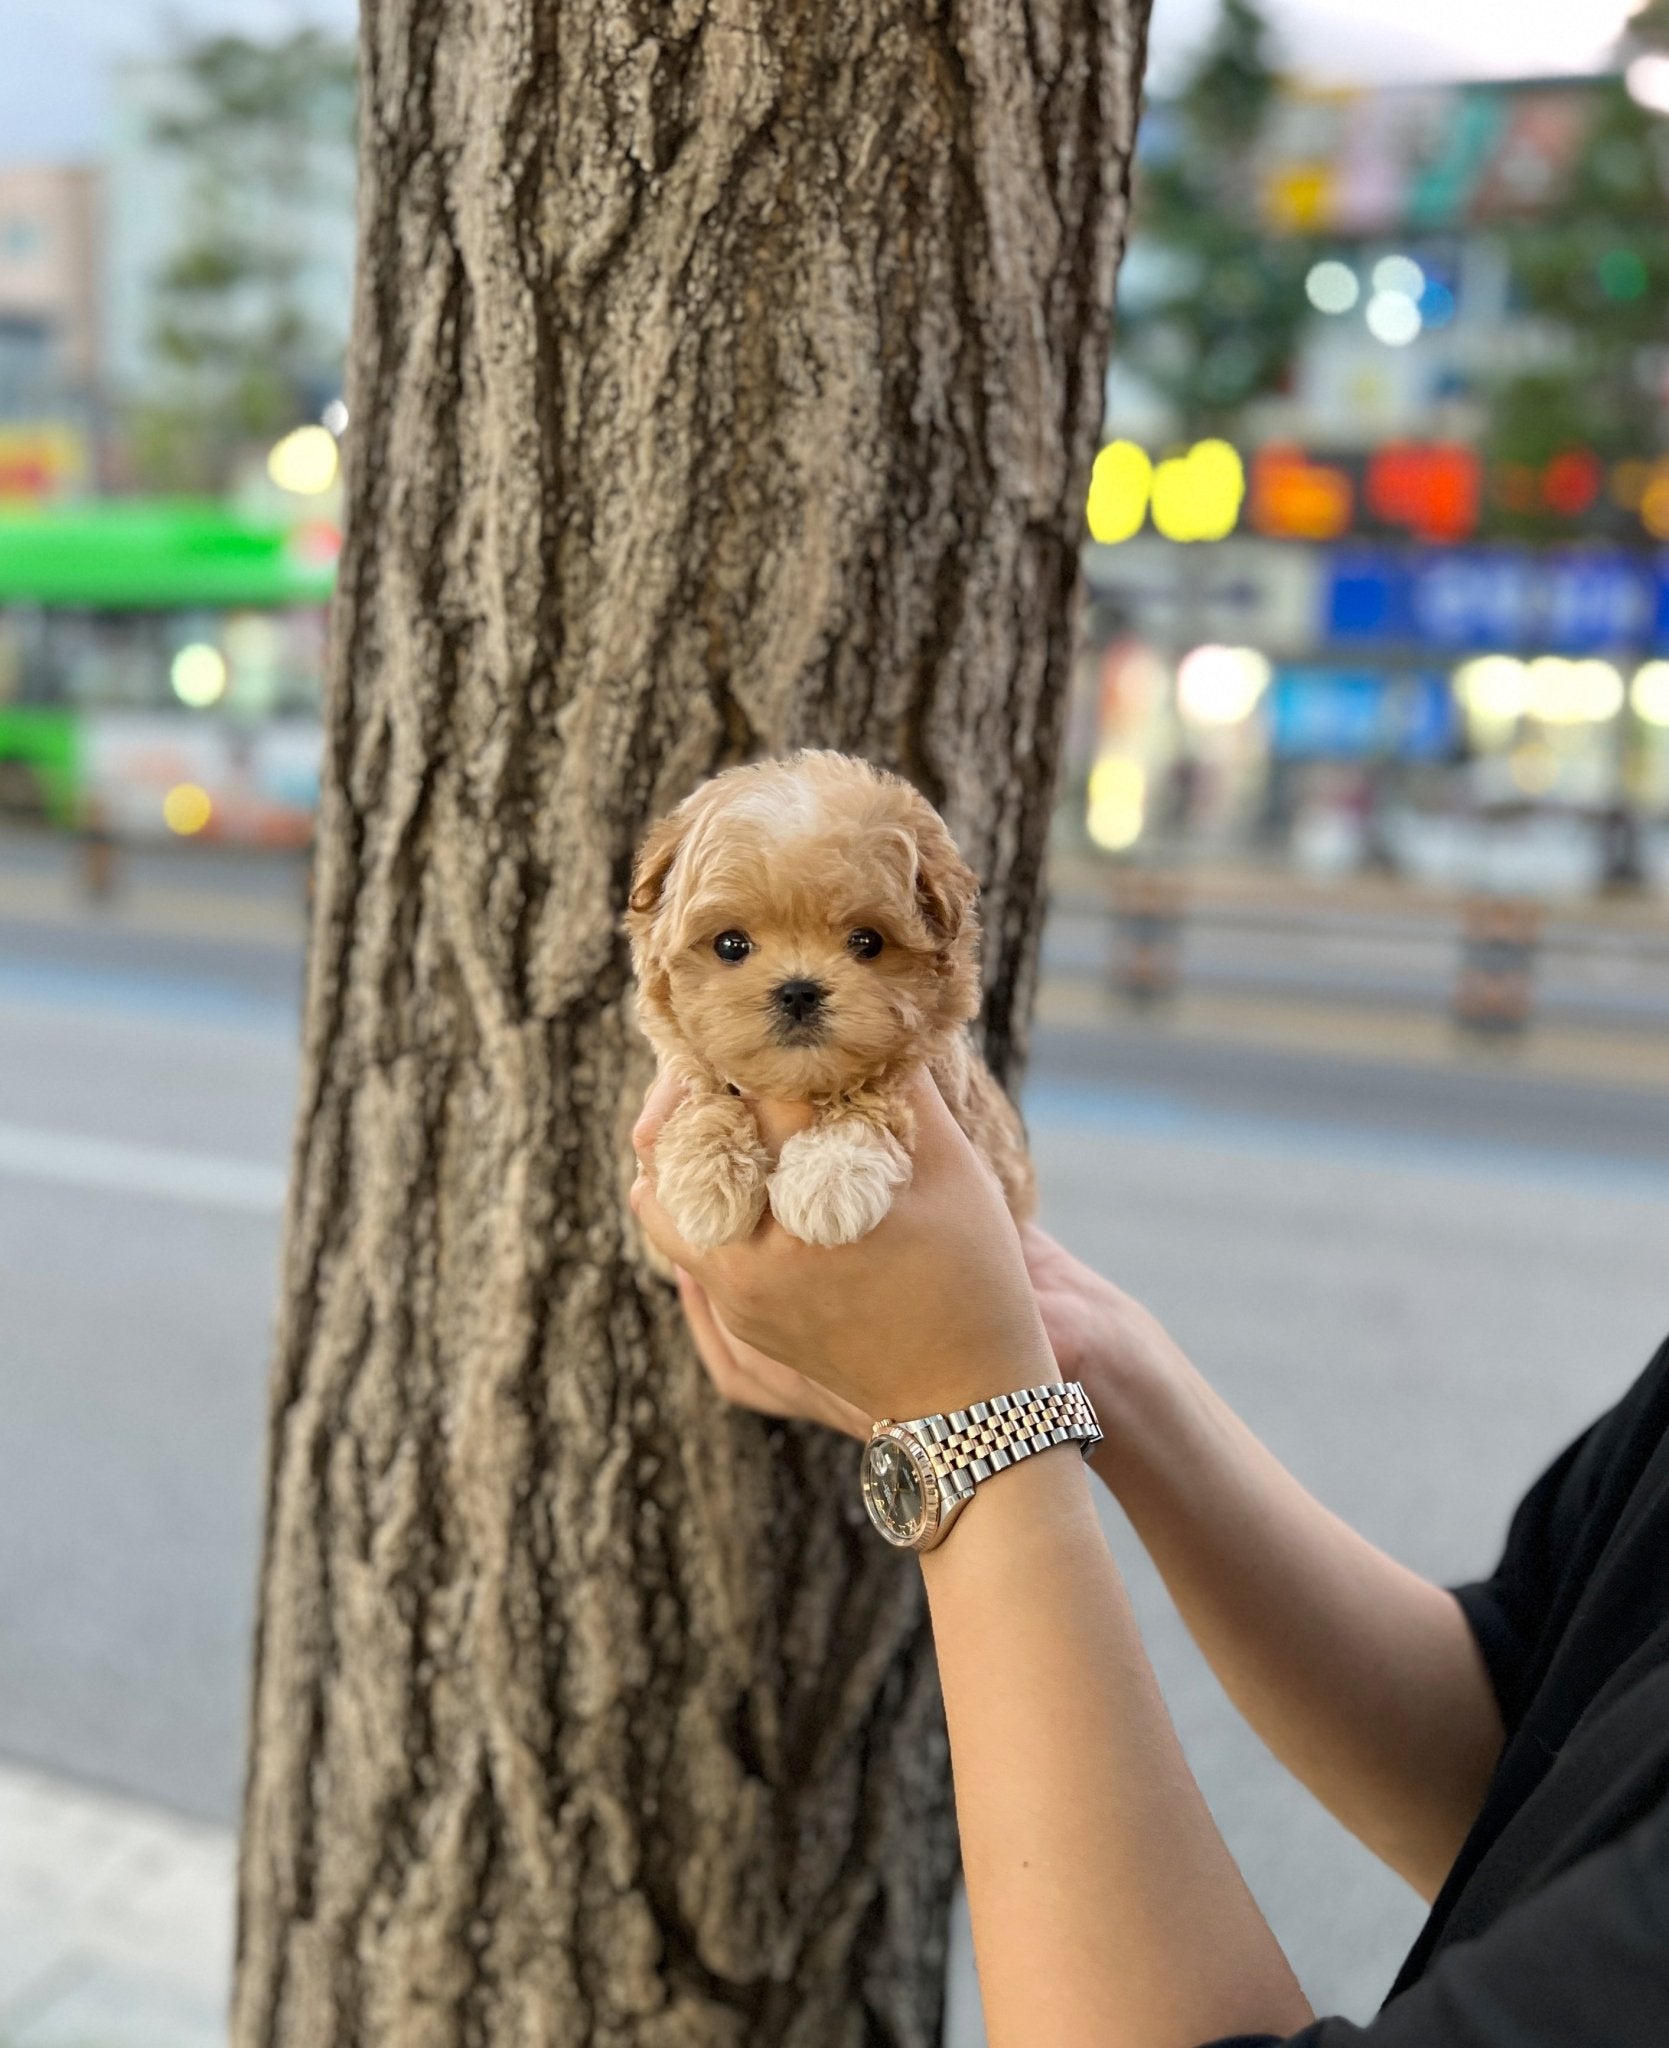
918	1476
969	1444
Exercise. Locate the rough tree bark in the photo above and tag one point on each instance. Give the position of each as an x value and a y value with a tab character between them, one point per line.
723	379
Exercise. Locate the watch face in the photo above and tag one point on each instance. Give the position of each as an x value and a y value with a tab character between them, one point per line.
899	1493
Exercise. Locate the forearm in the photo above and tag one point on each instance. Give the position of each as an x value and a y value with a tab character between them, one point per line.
1362	1677
1107	1912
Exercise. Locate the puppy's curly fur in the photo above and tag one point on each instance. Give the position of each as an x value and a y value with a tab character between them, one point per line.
804	929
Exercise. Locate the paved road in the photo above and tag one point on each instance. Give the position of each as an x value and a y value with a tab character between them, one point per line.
1415	1282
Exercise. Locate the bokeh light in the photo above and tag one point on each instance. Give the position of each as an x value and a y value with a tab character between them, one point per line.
197	675
1117	802
1399	275
1332	286
1198	496
1393	318
1649	693
1494	688
1648	81
1574	692
186	809
304	462
1119	487
1220	685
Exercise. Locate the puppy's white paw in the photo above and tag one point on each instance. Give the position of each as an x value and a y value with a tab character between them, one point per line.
832	1185
710	1173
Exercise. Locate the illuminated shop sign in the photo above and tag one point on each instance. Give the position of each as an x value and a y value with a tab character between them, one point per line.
1563	600
1347	714
1439	492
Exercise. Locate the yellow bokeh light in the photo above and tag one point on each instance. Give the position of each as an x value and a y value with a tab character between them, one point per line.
1197	496
1220	685
1118	492
304	462
1574	692
1654	504
197	675
1649	693
186	809
1117	802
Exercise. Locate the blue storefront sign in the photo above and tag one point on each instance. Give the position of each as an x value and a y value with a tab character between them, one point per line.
1512	600
1316	713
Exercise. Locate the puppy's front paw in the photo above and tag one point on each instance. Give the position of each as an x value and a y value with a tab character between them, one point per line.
834	1184
710	1173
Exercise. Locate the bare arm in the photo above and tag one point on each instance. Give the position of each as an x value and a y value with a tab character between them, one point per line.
1107	1911
1361	1676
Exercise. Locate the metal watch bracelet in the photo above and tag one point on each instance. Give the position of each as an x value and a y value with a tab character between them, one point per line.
918	1476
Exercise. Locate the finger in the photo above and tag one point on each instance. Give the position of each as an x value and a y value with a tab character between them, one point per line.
777	1389
712	1344
663	1098
659	1228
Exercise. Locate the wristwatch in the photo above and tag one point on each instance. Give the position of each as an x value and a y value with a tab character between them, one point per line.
919	1476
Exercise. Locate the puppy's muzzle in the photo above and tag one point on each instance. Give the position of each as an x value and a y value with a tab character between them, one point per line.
798	1008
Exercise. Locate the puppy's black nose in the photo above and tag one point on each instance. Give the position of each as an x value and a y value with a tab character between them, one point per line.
799	1000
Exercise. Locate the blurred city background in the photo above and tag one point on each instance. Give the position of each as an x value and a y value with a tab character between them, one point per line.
1351	1055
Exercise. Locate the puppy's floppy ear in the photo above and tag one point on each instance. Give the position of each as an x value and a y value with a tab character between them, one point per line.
946	887
654	863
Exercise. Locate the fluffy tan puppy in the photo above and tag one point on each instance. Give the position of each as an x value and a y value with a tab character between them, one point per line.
804	929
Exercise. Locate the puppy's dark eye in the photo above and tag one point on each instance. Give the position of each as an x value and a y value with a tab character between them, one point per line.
733	945
865	943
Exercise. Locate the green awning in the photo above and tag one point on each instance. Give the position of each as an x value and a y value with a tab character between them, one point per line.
156	554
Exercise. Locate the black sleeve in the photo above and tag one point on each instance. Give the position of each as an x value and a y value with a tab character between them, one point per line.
1550	1544
1582	1963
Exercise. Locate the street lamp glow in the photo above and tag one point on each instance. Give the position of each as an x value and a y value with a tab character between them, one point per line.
1220	685
1332	287
1399	274
304	462
197	675
1393	318
1650	693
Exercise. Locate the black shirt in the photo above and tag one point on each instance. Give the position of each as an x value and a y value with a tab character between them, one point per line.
1552	1929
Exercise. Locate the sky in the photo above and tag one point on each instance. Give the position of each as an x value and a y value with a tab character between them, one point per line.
57	51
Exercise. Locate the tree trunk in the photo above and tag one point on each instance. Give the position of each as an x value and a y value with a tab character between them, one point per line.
718	385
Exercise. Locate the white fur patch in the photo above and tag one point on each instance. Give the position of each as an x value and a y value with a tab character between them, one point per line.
785	805
834	1183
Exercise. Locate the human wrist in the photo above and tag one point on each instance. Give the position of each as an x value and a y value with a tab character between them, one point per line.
958	1383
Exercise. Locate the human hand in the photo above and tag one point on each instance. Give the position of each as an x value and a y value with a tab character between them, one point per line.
1098	1333
930	1310
750	1379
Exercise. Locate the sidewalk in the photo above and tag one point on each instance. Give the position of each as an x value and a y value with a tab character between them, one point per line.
115	1921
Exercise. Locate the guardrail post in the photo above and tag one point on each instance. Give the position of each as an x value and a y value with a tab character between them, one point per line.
1147	936
1495	987
97	853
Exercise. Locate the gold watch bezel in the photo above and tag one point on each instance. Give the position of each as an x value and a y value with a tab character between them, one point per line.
925	1533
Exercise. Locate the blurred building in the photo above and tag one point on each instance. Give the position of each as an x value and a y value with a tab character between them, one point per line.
1350	625
50	343
282	194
